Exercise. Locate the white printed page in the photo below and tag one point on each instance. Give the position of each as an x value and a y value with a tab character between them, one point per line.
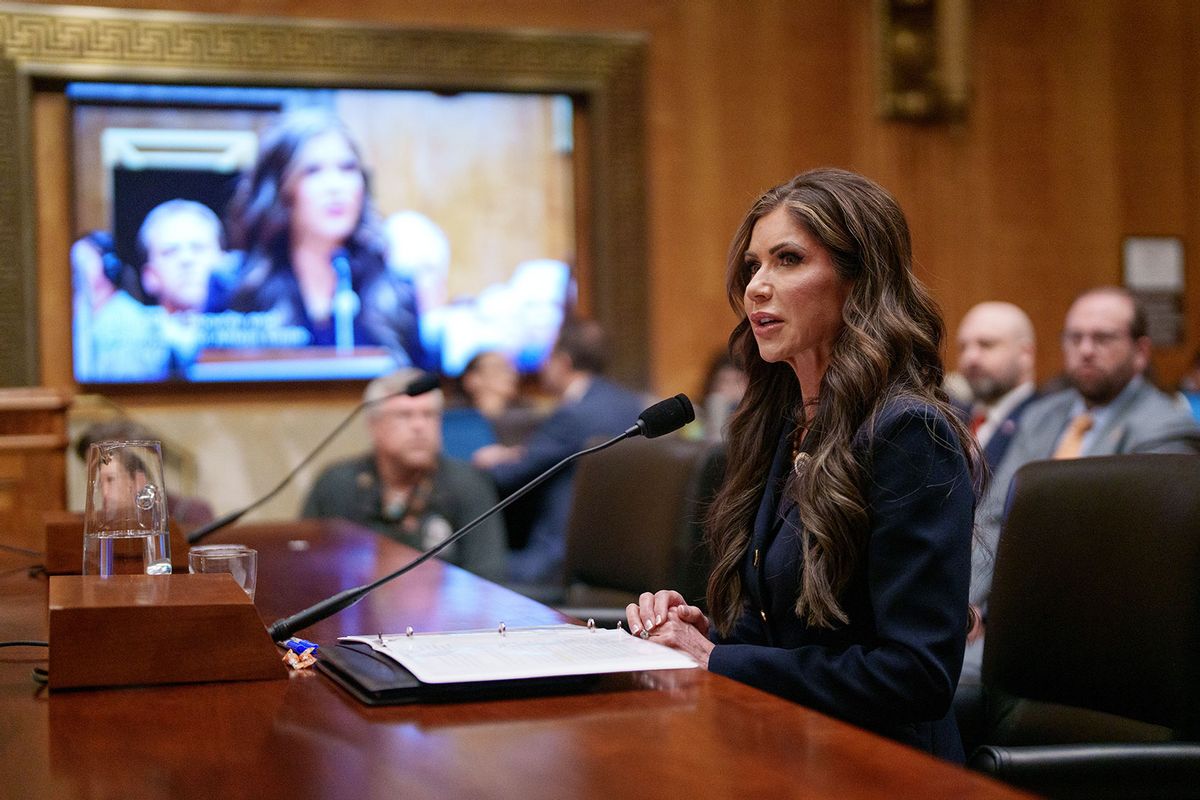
471	656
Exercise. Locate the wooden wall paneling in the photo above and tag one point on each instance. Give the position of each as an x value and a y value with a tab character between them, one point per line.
51	174
32	462
1152	155
691	233
1039	145
19	352
1191	109
754	108
1074	193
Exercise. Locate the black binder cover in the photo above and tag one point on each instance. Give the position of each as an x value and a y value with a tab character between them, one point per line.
377	680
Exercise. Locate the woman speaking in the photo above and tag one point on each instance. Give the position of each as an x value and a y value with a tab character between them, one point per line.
311	244
841	538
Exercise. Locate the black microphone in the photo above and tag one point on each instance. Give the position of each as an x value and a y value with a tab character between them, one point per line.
663	417
426	382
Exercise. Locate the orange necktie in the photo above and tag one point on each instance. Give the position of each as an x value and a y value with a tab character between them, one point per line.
1072	441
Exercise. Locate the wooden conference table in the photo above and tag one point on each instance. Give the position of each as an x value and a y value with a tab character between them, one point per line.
681	733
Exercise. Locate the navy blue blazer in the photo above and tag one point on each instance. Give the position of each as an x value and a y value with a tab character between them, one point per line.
604	410
894	667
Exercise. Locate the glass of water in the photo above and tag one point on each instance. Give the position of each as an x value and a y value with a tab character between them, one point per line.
238	560
125	520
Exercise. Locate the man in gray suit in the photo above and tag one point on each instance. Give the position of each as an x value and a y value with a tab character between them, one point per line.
1109	409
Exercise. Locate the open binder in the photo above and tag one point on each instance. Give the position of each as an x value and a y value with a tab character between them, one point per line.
376	680
473	665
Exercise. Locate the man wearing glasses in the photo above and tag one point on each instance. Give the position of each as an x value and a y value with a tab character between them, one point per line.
1109	409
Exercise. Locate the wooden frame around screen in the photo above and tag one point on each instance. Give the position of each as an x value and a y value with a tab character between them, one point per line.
42	46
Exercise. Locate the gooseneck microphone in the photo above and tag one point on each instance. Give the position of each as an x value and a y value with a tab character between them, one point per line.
425	383
661	418
665	416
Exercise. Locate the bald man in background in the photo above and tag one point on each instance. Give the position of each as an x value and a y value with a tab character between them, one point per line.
996	357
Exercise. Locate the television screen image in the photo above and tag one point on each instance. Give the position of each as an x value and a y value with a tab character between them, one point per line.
272	234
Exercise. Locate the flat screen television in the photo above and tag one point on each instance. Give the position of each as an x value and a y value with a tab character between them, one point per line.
228	233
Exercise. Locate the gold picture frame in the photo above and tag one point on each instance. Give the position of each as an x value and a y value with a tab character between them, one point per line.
43	46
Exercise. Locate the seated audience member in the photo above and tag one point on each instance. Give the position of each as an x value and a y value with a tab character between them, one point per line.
187	511
841	535
406	488
996	357
116	337
1110	408
491	383
489	387
589	407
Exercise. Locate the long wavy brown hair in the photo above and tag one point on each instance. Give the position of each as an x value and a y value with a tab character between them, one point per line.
889	347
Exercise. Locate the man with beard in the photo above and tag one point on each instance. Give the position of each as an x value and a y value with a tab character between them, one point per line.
1110	408
996	357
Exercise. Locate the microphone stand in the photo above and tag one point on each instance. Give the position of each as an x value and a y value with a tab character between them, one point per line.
346	305
282	629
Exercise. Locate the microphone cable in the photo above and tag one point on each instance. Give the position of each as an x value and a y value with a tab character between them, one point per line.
41	675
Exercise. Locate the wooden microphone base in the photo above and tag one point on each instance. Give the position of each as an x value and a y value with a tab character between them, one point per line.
131	630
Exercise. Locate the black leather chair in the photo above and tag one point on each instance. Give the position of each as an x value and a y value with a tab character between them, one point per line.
635	525
1091	665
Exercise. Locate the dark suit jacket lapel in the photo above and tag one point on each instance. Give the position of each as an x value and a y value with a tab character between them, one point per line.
1005	433
770	513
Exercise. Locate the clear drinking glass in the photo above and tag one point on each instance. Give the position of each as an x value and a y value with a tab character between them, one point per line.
125	520
237	559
